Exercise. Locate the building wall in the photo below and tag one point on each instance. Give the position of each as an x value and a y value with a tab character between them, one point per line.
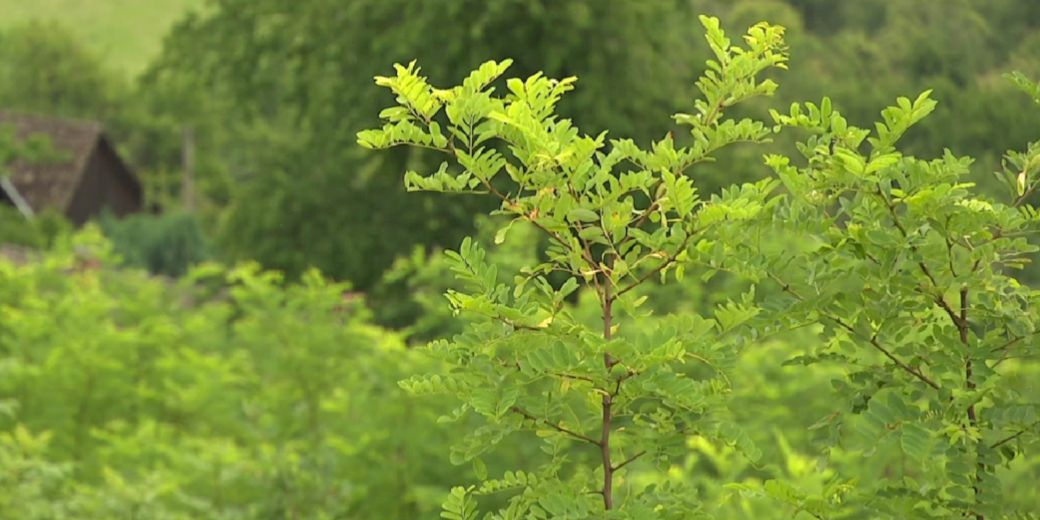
105	184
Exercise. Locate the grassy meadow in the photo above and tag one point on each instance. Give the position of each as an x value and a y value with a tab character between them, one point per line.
125	33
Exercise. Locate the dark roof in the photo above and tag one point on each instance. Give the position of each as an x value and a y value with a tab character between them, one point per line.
52	182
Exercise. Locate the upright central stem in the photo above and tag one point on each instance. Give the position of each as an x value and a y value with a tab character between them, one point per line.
604	439
973	420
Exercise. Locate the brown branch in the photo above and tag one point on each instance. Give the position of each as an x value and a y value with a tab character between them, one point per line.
949	255
643	215
604	446
516	365
872	340
664	263
1010	438
608	400
1012	342
588	257
629	460
969	383
552	234
527	415
939	299
627	375
572	376
395	144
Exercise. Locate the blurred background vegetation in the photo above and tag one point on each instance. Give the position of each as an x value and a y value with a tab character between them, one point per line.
273	92
191	396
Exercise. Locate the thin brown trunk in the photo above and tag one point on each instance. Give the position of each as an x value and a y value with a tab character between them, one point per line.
608	399
962	328
188	169
81	414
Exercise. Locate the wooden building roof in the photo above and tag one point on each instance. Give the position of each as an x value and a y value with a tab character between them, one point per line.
53	181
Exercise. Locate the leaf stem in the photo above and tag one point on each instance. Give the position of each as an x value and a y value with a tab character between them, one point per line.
527	415
665	263
872	340
1013	436
629	460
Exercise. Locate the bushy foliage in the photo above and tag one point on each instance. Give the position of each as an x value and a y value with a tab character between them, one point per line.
911	273
274	86
16	229
39	232
599	394
904	267
167	244
35	230
44	68
853	336
230	394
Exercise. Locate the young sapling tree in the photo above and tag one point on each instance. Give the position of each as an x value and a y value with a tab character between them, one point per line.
616	216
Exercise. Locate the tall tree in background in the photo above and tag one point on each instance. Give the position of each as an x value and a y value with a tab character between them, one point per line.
304	194
271	86
43	68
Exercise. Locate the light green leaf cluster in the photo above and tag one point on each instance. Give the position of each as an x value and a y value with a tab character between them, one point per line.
229	394
906	270
1030	87
615	216
913	278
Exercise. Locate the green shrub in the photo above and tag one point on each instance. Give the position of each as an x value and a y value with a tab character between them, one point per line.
168	243
904	271
231	394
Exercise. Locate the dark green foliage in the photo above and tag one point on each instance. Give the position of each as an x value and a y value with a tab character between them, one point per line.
282	131
410	297
16	229
270	89
165	244
307	196
43	68
39	232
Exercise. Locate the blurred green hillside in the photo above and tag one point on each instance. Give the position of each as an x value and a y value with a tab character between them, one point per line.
126	34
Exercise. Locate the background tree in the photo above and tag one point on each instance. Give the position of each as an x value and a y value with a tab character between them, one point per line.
910	274
292	68
43	68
